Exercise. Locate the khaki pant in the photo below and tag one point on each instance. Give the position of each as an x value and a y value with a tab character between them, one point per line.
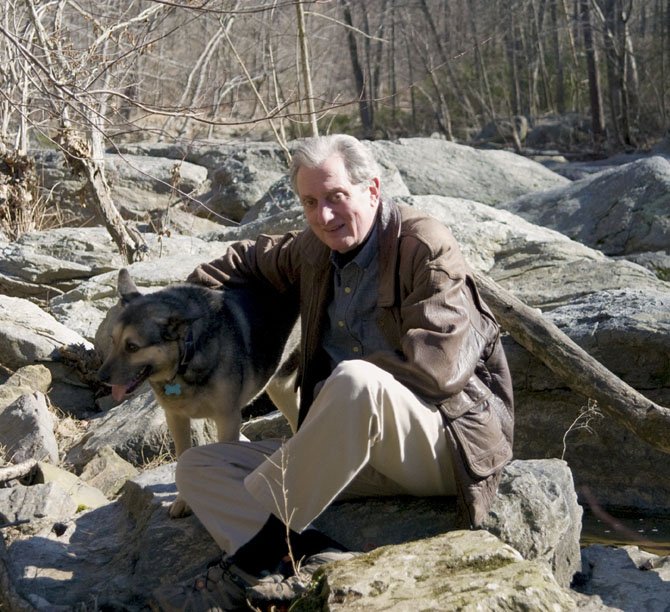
365	435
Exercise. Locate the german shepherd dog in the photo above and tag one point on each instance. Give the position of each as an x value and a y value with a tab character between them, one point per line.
206	354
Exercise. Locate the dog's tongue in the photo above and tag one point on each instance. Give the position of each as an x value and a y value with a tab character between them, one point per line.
118	392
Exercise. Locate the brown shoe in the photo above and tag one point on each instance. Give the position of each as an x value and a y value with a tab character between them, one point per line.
222	588
275	593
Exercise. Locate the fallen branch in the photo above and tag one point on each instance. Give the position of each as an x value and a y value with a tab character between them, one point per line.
576	367
12	472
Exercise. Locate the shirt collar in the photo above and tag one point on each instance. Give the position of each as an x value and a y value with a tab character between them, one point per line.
364	256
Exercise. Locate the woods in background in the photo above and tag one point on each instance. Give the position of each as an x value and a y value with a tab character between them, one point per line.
109	71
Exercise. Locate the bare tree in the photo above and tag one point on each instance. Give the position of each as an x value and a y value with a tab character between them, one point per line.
593	72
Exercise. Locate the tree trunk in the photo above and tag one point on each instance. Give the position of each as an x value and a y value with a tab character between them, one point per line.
559	89
595	92
359	78
306	74
582	373
86	159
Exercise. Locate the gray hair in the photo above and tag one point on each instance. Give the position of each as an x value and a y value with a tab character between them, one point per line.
359	162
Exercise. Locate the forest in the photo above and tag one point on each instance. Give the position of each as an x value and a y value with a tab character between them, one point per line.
86	75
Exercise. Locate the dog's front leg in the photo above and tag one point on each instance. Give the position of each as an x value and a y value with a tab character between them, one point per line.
180	429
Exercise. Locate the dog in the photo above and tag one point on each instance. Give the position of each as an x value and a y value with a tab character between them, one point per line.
206	354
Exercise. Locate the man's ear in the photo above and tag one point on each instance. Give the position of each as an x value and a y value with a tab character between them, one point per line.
126	287
375	189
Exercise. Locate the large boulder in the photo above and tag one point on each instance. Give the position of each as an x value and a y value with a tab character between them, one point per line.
431	166
620	211
462	570
140	185
117	554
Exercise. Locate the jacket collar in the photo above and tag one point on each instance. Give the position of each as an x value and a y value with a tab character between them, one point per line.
389	233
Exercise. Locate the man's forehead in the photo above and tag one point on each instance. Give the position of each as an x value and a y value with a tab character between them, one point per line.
331	172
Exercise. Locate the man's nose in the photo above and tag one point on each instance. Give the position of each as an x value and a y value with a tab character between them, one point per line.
324	212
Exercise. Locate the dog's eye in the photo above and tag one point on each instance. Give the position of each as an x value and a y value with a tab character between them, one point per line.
131	347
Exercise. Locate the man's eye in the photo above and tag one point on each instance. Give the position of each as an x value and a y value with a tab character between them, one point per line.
337	197
308	203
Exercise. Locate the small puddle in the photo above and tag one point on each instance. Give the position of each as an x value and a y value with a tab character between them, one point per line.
623	528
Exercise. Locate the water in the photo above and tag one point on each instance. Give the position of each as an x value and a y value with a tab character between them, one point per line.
622	528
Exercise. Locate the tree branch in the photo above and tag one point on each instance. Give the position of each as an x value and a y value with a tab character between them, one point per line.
583	374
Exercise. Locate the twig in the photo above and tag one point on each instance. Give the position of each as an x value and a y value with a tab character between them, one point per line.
12	472
14	523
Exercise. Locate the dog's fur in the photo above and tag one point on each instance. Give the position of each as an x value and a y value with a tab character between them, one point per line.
206	354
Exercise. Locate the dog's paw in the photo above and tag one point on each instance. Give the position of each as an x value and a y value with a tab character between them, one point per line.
179	508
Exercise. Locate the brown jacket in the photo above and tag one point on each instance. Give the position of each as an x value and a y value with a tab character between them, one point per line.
446	341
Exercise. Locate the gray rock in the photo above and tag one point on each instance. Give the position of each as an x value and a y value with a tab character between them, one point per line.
27	429
139	184
536	512
626	330
44	265
82	493
242	178
108	555
626	578
44	504
462	570
430	166
107	471
25	380
136	431
540	266
620	211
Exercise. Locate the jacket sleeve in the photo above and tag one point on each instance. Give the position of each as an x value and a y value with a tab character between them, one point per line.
267	260
443	333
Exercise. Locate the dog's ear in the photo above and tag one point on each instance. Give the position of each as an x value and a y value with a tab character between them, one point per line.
126	287
174	328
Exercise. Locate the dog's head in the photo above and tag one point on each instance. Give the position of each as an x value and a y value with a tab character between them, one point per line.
145	339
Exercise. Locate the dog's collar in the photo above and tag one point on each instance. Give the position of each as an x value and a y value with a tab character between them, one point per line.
187	352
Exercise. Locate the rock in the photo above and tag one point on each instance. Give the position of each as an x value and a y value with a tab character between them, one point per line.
140	184
29	335
510	250
136	430
438	167
536	512
109	554
240	181
27	429
504	131
626	578
25	380
627	330
564	132
83	495
44	503
43	265
460	570
620	211
108	472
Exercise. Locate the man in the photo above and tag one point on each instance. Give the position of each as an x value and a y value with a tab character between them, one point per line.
403	382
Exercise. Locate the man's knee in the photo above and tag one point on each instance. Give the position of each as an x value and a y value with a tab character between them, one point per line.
186	467
357	374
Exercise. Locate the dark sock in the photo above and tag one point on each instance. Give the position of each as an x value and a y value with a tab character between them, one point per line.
265	551
312	541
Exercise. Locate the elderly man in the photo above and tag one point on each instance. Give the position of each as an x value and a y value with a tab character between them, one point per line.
404	386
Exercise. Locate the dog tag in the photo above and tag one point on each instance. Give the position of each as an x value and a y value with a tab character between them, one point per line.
172	389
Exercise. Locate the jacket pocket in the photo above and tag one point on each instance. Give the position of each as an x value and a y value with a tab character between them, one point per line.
479	433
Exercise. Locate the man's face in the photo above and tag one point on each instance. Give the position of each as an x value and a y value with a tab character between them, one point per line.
340	214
